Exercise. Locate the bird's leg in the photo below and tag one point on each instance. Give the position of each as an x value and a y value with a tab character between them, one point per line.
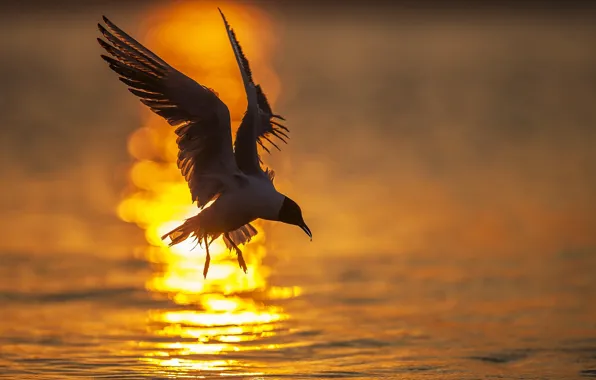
207	259
238	252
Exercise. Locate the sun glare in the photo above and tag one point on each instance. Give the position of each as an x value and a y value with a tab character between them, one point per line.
219	312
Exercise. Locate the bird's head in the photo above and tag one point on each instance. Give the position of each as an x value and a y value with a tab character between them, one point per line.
290	213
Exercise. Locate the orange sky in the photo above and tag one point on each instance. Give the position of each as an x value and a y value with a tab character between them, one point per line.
426	134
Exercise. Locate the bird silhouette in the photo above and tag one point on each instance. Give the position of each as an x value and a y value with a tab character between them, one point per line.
227	182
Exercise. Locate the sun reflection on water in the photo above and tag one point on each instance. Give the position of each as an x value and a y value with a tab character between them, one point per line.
230	311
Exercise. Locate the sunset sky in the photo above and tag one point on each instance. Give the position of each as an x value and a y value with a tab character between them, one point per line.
411	129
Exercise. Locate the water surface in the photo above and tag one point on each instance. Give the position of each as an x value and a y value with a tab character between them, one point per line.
398	316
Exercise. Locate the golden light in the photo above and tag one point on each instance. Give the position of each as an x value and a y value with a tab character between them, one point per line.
221	313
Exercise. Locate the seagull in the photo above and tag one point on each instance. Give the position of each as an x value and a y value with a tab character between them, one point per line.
227	182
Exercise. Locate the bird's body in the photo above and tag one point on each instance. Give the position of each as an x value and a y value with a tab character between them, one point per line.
253	198
227	182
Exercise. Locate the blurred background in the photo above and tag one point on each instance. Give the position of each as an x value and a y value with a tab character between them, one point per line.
443	155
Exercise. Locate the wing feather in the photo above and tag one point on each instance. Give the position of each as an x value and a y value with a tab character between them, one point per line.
253	128
202	120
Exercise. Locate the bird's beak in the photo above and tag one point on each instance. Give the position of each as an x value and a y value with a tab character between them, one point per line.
306	229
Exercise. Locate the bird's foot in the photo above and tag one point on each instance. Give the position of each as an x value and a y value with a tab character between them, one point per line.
241	261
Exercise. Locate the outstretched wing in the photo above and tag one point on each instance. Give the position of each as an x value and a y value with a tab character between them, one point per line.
269	127
257	124
205	157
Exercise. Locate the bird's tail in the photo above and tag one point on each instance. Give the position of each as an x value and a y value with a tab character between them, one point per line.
190	227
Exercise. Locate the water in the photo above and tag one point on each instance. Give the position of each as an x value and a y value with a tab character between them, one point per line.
397	316
449	183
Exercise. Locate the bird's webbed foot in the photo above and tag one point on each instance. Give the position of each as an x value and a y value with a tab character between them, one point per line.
241	261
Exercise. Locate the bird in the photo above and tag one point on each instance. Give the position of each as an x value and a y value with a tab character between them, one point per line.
226	181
